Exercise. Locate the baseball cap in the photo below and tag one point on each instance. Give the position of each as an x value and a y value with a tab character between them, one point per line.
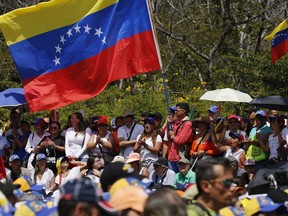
102	120
127	113
114	171
26	184
35	208
133	157
6	208
39	121
233	116
132	181
183	160
118	158
214	109
14	157
239	136
261	113
113	125
84	190
250	162
41	156
148	120
173	108
262	204
94	119
231	211
278	195
161	161
59	161
129	197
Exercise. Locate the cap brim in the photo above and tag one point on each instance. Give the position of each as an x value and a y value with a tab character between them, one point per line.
271	208
105	208
131	160
159	164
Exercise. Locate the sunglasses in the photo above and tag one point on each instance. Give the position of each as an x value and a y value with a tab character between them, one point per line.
226	183
232	122
54	128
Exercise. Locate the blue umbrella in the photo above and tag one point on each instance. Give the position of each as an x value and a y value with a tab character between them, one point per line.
12	97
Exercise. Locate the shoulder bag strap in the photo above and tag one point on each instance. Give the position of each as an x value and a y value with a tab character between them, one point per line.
201	141
202	207
182	123
131	132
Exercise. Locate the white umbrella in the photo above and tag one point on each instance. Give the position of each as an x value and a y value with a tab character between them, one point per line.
226	94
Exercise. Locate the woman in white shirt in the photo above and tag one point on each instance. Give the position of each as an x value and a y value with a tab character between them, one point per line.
148	144
43	175
276	140
76	138
33	144
102	143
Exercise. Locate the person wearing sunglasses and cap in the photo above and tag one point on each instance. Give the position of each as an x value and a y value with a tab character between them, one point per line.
148	143
213	179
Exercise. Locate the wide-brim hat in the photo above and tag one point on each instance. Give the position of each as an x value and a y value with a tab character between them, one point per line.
203	119
127	113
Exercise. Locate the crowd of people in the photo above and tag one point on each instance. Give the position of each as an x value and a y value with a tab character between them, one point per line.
151	165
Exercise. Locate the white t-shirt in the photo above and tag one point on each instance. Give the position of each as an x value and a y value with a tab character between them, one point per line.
145	153
284	134
124	132
76	145
238	132
236	154
97	149
34	140
45	180
273	145
166	179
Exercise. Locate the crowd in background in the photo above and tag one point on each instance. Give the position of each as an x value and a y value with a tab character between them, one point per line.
151	165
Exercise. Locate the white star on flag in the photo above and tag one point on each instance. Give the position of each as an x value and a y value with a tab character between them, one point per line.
98	32
69	33
58	49
77	28
87	28
56	60
104	40
62	39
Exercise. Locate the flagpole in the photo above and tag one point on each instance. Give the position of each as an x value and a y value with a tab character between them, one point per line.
165	90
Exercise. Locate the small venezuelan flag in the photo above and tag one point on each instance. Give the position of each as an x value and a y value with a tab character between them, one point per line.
279	41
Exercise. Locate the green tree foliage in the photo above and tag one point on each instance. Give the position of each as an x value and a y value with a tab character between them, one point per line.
204	45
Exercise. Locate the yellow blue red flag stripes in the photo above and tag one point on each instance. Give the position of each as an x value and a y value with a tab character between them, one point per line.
279	38
69	50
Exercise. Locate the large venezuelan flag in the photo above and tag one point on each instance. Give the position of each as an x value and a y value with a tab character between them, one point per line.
69	50
279	38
